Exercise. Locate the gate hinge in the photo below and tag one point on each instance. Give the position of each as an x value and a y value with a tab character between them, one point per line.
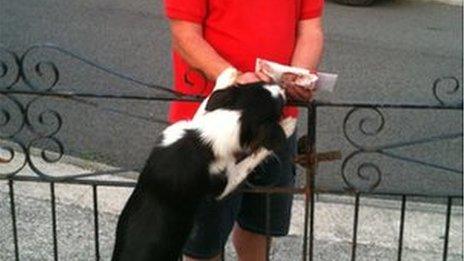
305	160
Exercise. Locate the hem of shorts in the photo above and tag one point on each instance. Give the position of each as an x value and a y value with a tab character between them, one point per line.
263	231
200	256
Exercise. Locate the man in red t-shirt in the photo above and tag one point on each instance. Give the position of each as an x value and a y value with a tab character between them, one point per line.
209	36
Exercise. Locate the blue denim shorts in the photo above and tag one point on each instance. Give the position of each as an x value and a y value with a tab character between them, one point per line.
214	220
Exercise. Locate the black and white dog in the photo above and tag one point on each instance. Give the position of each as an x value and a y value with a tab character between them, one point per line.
198	158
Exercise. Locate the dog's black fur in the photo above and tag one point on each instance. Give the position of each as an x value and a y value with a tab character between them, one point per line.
158	217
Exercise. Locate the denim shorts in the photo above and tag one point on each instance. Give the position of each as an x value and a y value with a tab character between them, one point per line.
214	220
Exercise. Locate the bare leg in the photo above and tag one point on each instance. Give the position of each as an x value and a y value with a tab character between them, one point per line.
248	245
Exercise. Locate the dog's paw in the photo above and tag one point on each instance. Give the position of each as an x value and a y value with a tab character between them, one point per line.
226	78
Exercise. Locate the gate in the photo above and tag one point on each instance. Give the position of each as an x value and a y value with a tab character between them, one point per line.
30	143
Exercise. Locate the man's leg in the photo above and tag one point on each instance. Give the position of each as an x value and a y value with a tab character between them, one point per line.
253	222
248	245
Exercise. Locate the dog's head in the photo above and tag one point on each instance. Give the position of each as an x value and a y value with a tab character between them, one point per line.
260	105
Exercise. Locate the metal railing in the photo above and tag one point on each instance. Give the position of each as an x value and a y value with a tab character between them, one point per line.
39	77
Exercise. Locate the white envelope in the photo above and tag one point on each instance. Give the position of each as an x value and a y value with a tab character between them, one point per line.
324	81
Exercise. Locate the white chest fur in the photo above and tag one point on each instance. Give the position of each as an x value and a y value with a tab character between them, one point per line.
219	128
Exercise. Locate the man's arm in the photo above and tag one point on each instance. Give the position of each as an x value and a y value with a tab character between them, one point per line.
309	44
188	41
308	52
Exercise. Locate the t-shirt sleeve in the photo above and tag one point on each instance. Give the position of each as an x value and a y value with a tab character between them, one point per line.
311	9
188	10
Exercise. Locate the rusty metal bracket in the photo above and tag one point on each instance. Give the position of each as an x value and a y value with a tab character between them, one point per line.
305	158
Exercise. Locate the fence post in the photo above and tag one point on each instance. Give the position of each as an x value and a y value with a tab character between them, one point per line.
309	188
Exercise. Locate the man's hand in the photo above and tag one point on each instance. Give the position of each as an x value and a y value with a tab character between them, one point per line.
307	53
250	77
294	91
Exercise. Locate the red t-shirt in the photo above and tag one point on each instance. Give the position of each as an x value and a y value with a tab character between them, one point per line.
240	31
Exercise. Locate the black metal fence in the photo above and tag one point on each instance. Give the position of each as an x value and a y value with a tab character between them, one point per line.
24	80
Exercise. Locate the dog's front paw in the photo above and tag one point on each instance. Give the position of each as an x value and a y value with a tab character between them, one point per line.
226	78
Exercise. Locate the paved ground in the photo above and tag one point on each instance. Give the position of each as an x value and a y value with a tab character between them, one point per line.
391	52
378	227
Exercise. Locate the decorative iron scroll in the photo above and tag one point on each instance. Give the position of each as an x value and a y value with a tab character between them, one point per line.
39	76
370	123
451	90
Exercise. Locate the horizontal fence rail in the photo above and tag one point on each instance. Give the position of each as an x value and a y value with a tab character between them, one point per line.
26	78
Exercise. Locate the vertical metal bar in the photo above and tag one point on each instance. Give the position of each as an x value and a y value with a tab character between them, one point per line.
13	219
306	226
53	203
355	228
447	225
305	235
311	219
309	193
400	240
268	226
223	254
95	222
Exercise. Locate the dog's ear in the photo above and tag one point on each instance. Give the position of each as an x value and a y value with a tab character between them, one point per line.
221	99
